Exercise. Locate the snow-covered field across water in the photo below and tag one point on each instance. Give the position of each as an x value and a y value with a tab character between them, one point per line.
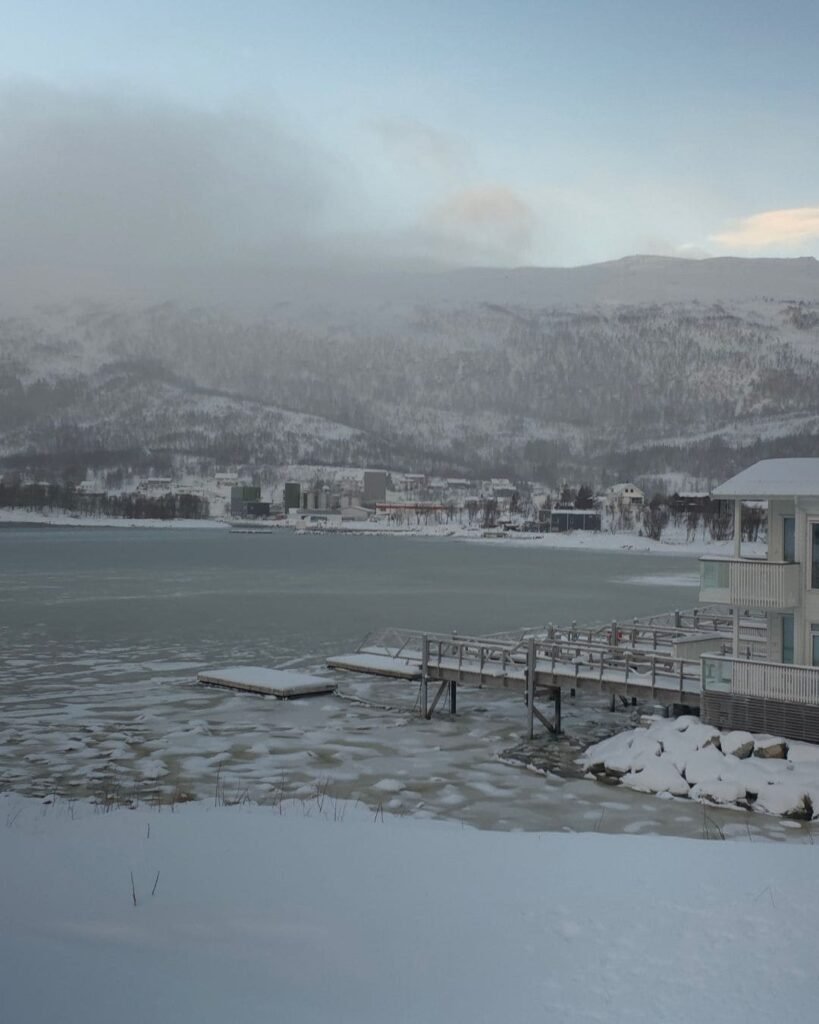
324	911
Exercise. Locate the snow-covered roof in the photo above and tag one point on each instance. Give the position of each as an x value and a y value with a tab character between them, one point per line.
773	478
625	488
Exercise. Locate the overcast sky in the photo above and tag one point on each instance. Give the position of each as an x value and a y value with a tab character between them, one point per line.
145	137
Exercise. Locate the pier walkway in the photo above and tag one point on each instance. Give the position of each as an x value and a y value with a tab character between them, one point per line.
639	660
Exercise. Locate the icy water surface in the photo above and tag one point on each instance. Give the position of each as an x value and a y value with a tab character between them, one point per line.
102	633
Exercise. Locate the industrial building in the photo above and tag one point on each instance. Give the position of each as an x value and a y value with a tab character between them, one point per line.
246	501
375	486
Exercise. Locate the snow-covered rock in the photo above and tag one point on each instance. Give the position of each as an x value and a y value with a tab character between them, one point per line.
737	742
803	753
770	746
625	752
719	791
701	765
686	758
698	735
788	800
659	776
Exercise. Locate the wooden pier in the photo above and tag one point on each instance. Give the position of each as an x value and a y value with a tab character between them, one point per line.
635	661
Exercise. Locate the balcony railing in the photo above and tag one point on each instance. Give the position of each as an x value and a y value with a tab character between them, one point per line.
751	583
772	680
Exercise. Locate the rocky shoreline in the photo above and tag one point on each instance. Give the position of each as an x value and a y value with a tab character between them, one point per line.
684	758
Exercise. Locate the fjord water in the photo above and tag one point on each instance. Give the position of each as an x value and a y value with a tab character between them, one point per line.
102	632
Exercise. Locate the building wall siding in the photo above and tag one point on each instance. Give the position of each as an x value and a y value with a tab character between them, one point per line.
758	714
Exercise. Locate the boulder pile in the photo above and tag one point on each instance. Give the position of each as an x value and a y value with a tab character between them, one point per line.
684	758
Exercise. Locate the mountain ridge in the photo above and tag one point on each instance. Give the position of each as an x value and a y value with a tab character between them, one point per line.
475	375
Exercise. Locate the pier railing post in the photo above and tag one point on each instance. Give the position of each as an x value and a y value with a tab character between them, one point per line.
424	674
530	688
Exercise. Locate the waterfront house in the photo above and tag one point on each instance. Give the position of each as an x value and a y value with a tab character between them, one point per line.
772	683
624	496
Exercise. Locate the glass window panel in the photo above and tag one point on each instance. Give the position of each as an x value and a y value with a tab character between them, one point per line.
714	574
787	639
814	574
717	674
789	539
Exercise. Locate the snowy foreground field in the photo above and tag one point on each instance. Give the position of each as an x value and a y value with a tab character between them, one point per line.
323	913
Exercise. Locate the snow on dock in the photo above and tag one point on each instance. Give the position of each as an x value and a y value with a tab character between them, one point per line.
268	681
376	664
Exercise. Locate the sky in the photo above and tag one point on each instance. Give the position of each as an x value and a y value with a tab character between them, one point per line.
141	138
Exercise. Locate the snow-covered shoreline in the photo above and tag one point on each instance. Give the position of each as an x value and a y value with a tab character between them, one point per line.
576	540
306	913
24	517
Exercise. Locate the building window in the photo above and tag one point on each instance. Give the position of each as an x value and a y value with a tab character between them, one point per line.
714	575
814	644
814	571
787	639
789	539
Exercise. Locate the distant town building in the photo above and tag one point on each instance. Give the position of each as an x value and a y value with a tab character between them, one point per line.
414	481
246	500
292	495
355	513
503	489
90	488
561	520
226	479
692	501
624	496
316	499
156	483
375	486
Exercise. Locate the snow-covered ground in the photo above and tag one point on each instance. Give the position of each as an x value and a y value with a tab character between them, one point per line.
684	758
674	542
24	517
307	913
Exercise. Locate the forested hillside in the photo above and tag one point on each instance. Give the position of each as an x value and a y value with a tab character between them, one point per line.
431	381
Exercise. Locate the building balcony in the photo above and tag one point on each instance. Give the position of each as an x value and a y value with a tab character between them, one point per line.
749	583
769	680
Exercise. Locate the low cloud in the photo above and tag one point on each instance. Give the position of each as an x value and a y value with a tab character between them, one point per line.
787	228
413	142
120	191
111	194
482	224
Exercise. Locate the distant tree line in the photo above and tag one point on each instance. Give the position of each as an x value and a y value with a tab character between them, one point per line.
66	498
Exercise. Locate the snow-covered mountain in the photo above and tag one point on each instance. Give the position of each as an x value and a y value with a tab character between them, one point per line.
641	366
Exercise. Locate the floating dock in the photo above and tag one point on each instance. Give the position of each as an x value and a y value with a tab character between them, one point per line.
376	665
269	682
